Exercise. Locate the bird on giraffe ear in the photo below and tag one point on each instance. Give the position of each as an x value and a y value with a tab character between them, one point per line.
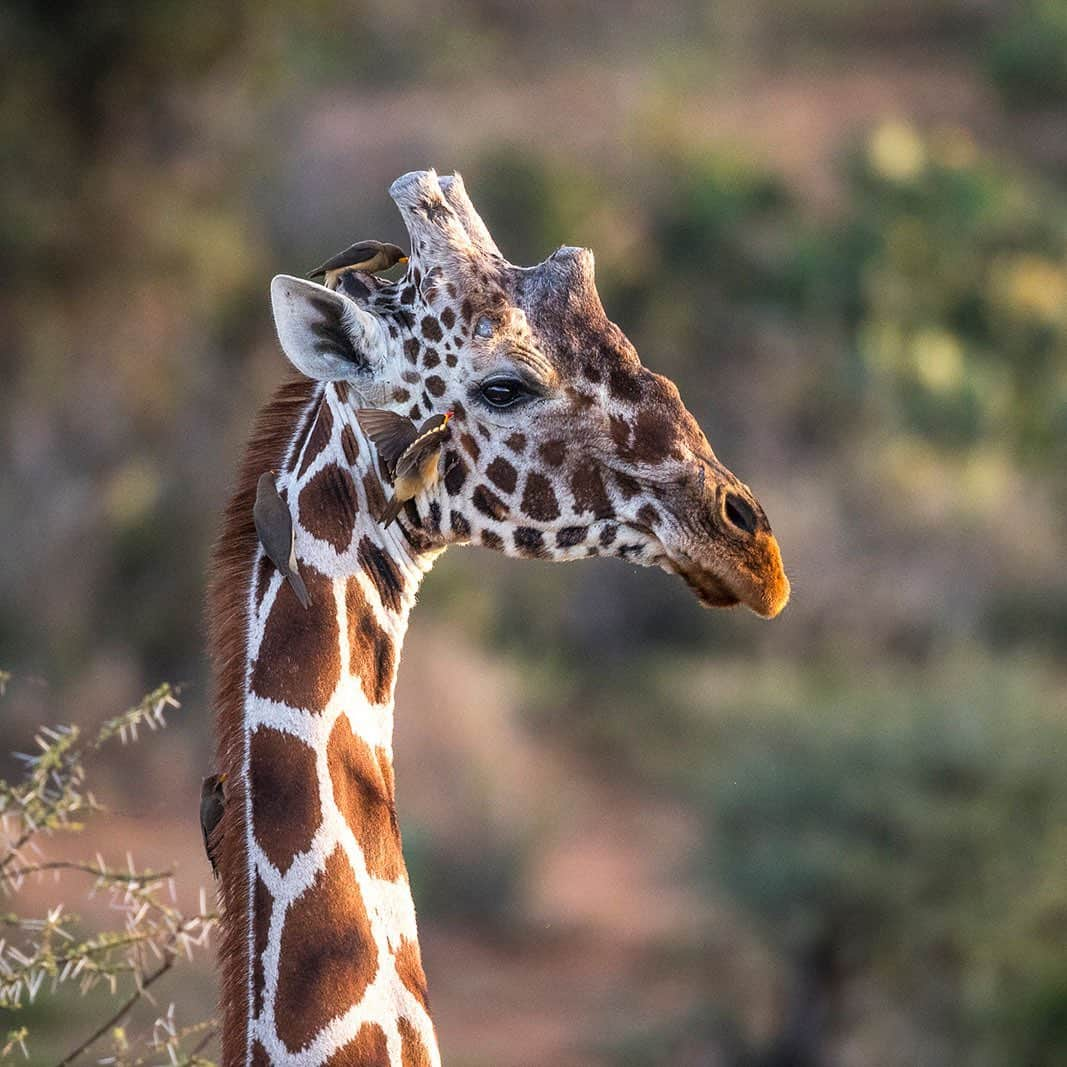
325	335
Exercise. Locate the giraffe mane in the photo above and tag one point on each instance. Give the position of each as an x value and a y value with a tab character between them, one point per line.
229	589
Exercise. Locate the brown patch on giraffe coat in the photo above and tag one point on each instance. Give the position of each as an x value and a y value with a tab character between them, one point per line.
553	453
470	446
648	515
625	384
580	401
431	328
285	795
589	493
298	662
401	396
448	317
570	536
328	506
620	432
259	1055
409	970
529	542
328	956
412	1051
435	385
629	487
460	526
516	442
264	570
385	764
653	436
488	503
262	906
455	472
350	445
319	438
492	540
382	573
411	350
369	1048
434	514
373	657
607	534
539	498
372	487
363	797
430	358
502	474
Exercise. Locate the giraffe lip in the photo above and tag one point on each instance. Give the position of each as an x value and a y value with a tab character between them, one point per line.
711	590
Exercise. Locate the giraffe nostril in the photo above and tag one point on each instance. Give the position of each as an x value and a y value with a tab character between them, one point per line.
739	513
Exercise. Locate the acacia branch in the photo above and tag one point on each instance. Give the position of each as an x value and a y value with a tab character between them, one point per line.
88	868
158	973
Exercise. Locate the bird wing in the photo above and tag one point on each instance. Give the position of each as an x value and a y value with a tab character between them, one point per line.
419	451
355	254
274	524
391	433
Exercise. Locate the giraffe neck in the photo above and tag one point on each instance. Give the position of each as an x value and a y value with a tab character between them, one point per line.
320	951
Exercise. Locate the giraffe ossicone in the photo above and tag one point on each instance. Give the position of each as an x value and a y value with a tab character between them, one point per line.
562	446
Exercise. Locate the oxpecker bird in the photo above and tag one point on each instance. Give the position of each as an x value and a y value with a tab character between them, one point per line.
212	801
274	526
368	256
411	455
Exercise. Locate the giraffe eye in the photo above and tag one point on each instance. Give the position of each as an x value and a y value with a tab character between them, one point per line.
503	392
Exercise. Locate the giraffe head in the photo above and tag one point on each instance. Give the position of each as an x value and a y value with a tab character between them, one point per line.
563	445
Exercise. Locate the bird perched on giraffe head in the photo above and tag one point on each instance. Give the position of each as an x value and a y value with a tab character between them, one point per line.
367	256
412	455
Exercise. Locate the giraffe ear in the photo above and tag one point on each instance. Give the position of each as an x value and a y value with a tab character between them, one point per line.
324	334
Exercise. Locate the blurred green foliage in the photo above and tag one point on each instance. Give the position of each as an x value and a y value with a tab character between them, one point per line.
952	273
1028	53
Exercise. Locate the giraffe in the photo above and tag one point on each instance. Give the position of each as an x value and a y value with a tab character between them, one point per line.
562	447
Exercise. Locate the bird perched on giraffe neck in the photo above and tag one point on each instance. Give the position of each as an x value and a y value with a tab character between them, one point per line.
367	256
412	454
274	527
212	805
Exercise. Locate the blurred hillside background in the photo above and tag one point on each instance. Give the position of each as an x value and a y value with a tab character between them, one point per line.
639	833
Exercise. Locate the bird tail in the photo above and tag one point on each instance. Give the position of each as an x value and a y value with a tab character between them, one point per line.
299	588
391	511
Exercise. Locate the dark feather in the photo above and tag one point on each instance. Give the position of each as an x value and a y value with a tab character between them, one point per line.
391	433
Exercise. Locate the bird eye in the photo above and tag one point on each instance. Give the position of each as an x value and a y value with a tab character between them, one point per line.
503	392
484	327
